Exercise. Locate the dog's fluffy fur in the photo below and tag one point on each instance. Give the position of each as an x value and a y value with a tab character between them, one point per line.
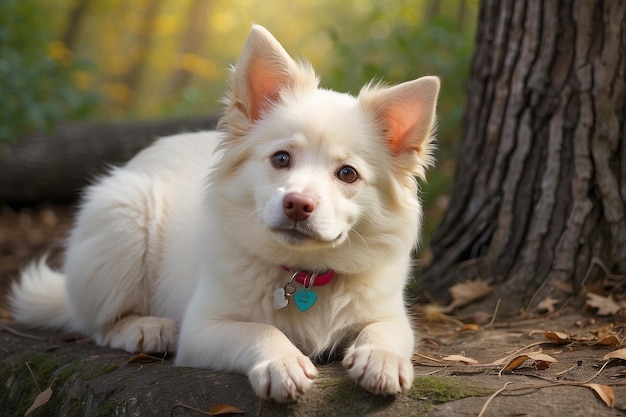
182	248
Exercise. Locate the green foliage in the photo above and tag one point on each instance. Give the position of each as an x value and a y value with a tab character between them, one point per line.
396	42
401	40
35	83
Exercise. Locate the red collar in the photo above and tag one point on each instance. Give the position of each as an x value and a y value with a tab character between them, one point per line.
304	277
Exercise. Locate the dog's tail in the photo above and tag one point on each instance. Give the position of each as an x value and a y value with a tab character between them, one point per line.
39	299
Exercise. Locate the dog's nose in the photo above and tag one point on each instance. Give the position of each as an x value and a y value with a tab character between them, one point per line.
298	206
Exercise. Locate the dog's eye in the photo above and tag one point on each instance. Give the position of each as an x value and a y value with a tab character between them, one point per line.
347	174
281	159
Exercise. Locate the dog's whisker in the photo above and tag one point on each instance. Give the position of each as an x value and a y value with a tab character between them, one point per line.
360	237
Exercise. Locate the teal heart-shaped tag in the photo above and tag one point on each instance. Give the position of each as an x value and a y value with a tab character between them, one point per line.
304	299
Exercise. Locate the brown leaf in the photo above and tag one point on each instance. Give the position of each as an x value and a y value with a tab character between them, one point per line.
542	361
516	363
144	358
41	398
433	312
471	327
459	358
611	341
464	293
558	337
617	354
221	409
605	393
605	305
541	365
548	305
542	357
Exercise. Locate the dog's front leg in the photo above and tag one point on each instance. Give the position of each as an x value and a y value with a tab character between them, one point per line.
380	358
276	368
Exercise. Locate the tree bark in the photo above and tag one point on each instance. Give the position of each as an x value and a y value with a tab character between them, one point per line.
538	196
53	168
192	39
74	22
139	56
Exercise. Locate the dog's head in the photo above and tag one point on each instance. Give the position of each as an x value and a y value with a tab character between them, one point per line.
307	171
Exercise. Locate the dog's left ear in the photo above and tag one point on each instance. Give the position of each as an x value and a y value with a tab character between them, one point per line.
405	113
264	69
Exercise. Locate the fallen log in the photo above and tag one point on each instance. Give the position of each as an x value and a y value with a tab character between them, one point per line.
54	167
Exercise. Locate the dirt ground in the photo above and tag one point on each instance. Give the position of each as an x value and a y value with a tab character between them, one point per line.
522	366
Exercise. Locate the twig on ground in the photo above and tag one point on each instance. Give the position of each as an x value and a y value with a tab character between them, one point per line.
494	395
33	375
20	334
494	315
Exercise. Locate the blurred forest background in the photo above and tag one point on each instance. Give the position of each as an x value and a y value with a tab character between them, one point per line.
115	60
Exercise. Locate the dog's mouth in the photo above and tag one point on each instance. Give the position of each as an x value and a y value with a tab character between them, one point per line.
300	234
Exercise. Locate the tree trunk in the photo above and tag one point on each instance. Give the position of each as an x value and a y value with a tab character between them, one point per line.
139	56
74	22
193	38
538	196
53	168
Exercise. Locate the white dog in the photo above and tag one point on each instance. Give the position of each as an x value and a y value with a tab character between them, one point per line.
289	230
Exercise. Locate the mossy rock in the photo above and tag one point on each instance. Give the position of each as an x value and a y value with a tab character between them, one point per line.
444	389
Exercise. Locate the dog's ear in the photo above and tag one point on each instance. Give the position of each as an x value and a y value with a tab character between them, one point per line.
405	113
264	69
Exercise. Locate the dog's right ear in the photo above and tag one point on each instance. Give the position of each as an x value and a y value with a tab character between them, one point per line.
264	70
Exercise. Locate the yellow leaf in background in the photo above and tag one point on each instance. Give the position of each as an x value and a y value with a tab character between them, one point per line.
465	292
617	354
605	305
459	358
605	393
558	337
59	52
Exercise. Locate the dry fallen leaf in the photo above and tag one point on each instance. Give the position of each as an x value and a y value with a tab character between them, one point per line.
617	354
605	305
605	393
516	363
471	327
464	293
542	361
548	305
220	409
558	337
41	398
611	341
144	358
459	358
432	312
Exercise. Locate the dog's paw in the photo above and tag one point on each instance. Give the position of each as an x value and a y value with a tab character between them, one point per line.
379	371
283	379
143	334
157	334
